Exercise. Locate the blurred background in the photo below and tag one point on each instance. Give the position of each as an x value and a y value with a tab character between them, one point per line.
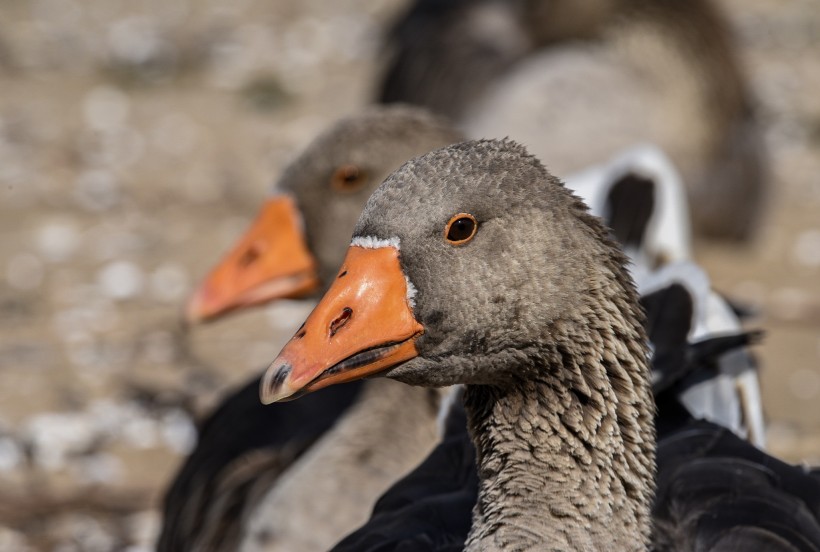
136	142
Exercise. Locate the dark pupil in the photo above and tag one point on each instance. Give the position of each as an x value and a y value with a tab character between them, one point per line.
351	175
461	229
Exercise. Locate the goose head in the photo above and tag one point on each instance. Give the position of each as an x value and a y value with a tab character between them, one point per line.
300	235
467	265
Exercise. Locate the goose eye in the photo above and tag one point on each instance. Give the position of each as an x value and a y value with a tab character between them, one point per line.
348	178
461	229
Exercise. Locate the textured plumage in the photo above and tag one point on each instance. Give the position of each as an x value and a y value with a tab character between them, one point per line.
381	437
717	492
640	196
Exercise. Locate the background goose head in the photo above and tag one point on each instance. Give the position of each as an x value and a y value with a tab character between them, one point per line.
299	237
473	265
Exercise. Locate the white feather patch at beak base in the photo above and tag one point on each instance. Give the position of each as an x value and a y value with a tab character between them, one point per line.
372	242
411	292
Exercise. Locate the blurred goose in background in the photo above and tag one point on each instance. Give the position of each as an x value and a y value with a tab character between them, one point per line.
548	340
230	485
244	486
731	396
579	81
242	449
639	194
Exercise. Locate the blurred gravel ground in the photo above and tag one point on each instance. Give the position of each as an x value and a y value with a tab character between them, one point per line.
136	140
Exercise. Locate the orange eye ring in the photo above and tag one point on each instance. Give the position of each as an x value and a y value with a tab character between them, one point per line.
348	178
460	229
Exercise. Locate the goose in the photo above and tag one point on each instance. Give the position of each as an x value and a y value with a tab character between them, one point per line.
578	81
480	268
430	508
248	482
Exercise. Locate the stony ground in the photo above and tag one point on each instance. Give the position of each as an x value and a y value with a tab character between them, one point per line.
136	140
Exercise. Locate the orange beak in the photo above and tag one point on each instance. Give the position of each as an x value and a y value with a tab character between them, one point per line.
271	261
362	326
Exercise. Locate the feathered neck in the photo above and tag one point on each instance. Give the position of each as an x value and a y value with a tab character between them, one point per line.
566	453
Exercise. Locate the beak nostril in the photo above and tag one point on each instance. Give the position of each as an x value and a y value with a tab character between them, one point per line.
251	255
340	321
300	334
343	274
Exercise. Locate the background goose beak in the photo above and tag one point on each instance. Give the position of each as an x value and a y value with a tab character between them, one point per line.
270	261
362	326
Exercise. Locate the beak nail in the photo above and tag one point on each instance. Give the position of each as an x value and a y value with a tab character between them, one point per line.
272	384
279	378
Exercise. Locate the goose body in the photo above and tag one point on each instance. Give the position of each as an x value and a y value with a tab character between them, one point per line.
716	491
238	490
430	508
720	493
242	449
553	75
731	396
557	386
369	449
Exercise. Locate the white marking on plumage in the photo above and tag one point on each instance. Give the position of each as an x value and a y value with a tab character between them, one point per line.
668	232
719	398
372	242
411	292
451	400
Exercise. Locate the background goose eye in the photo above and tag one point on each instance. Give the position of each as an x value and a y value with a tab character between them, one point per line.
348	178
461	229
